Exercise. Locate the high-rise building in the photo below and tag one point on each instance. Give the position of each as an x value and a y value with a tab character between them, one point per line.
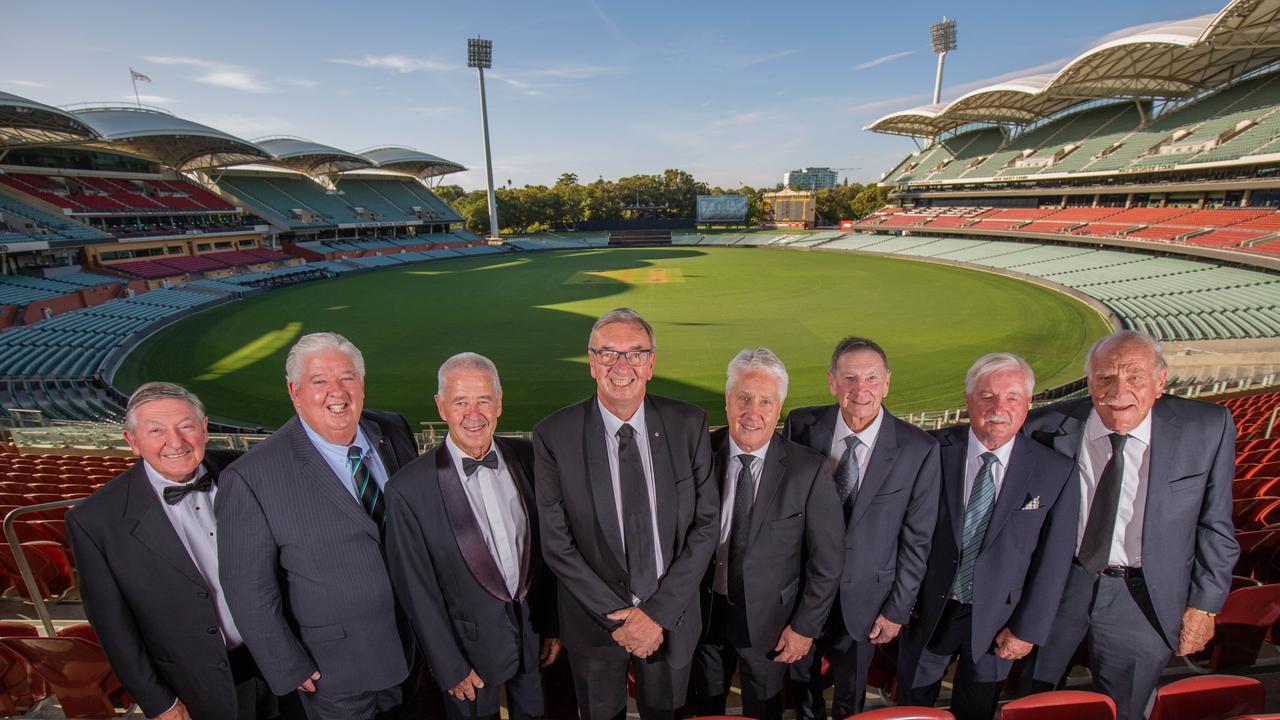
810	178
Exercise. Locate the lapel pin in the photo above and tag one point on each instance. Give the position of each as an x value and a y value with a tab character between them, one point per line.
657	434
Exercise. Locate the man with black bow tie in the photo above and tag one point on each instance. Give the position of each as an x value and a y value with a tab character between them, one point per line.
147	557
462	550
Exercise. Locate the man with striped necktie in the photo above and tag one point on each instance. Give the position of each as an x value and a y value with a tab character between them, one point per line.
300	520
1001	547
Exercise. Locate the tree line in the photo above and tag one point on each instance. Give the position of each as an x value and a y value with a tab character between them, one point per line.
671	194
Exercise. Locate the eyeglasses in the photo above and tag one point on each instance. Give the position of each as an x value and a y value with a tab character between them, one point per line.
634	358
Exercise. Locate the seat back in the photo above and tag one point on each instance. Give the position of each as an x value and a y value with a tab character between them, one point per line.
77	671
905	712
1208	697
1061	705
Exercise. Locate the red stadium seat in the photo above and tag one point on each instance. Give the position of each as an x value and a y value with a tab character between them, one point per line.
1248	513
1238	582
77	672
49	566
20	687
1060	705
1242	626
82	630
1208	697
905	712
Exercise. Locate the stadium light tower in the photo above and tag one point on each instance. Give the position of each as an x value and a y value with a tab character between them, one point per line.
943	35
480	57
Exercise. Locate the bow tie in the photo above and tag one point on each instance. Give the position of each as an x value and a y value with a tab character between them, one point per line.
470	466
174	494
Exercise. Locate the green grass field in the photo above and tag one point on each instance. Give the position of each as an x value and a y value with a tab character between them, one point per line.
531	313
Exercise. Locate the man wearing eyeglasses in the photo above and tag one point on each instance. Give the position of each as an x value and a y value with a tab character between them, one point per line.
629	517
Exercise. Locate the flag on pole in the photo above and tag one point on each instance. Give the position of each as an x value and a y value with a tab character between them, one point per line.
139	76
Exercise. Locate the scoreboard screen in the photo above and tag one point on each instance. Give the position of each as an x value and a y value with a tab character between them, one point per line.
722	208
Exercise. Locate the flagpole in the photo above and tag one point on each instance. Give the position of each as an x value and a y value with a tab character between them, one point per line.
134	78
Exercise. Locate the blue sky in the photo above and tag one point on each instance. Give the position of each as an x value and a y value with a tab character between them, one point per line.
732	92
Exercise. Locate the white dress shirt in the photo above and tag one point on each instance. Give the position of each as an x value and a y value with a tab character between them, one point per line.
973	463
612	423
1095	451
192	518
336	457
499	511
866	441
720	583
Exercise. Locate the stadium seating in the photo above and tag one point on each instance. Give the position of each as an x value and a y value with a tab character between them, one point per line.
33	223
1241	626
1060	705
77	672
1208	697
906	712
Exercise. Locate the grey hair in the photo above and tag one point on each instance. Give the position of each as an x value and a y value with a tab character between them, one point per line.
758	359
1124	336
626	316
996	362
467	361
319	342
152	391
854	343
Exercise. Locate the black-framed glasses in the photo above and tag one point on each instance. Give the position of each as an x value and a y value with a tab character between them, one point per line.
635	358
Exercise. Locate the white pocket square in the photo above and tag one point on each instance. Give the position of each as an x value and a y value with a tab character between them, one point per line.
1032	504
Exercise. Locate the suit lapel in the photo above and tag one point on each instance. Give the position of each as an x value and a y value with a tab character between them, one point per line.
1166	440
954	448
466	530
600	480
879	465
822	430
775	467
525	488
152	527
664	481
1013	489
312	466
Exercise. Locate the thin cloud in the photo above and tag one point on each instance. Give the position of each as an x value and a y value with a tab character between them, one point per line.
396	63
26	83
242	125
149	99
216	73
883	59
742	118
605	19
750	60
894	103
572	72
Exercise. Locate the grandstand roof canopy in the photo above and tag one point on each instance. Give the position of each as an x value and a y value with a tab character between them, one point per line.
1173	60
27	122
413	162
164	138
310	158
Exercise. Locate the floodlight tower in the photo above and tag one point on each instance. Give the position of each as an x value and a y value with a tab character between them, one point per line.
480	57
943	35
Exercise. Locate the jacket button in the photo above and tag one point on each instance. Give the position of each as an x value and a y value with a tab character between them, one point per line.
212	631
202	595
222	664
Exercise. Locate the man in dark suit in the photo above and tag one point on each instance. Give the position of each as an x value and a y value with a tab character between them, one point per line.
462	548
628	513
1139	590
781	548
147	560
887	480
300	521
1003	543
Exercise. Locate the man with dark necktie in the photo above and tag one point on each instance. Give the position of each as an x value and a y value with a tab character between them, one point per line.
1000	552
887	478
781	548
1155	541
462	548
628	513
300	521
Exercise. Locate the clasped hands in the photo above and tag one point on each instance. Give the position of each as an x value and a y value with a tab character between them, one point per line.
639	634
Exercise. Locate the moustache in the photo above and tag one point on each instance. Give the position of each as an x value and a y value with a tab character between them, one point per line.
996	418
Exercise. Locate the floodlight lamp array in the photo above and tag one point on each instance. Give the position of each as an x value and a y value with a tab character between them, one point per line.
479	53
943	35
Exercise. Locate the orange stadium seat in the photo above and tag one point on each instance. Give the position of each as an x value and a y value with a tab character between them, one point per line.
1208	697
1249	513
1241	627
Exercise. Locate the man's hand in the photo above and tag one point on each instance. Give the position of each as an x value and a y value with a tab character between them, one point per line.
1197	631
177	712
309	685
883	630
550	651
639	634
791	646
1010	647
466	690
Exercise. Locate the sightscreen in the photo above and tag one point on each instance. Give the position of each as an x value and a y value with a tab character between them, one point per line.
722	208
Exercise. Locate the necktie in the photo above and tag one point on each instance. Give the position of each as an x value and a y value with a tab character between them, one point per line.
743	497
470	466
366	487
1095	548
977	514
637	517
174	494
847	472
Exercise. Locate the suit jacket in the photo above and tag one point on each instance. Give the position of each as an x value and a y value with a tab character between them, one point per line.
1188	538
887	536
302	563
796	530
146	599
581	539
446	578
1022	564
